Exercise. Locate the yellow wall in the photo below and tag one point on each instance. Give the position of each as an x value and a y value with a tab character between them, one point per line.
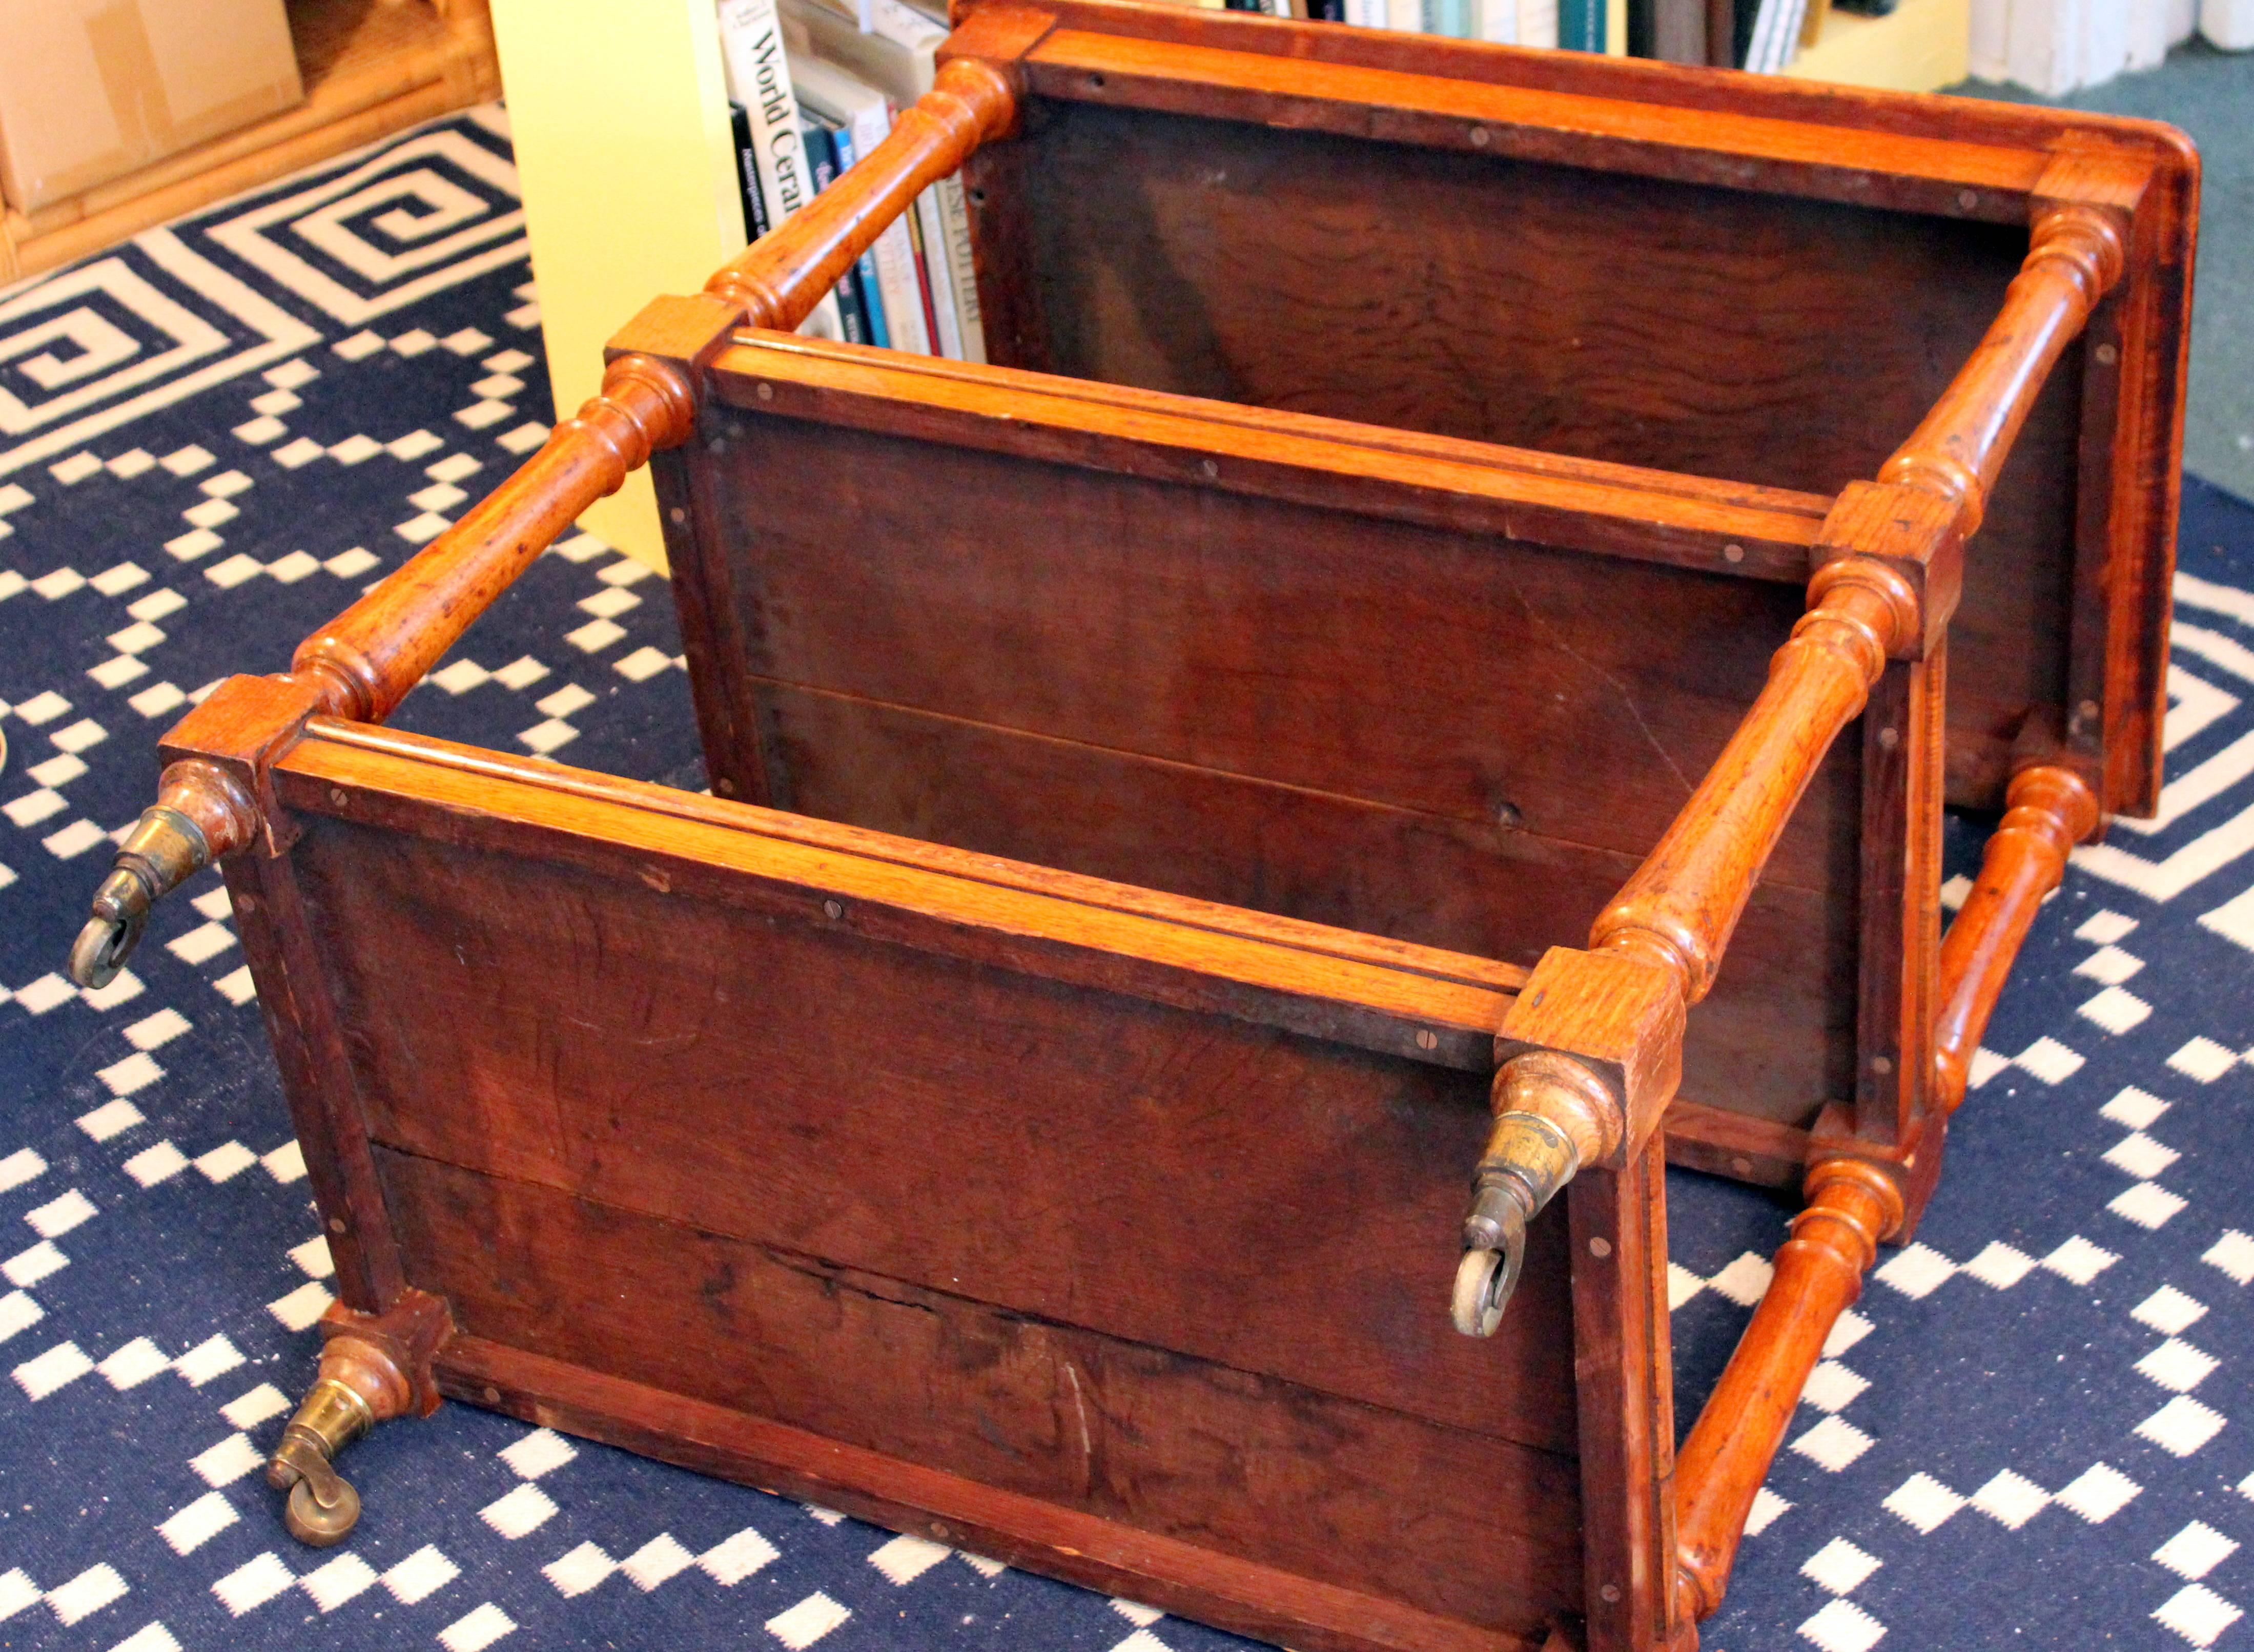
620	113
1925	46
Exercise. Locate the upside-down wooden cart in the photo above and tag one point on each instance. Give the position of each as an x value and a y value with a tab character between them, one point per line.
1158	778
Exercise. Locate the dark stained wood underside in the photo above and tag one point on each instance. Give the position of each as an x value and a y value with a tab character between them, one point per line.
643	1107
1443	737
1762	338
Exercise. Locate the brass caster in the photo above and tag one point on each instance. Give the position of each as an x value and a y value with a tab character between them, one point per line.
1484	1282
323	1507
163	851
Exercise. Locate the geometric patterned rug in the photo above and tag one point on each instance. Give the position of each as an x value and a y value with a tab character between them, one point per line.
2035	1431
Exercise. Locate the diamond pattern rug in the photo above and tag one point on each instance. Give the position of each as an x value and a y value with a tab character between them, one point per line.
2035	1431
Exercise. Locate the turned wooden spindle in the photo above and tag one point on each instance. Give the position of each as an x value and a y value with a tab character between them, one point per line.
1851	1208
2047	811
2074	258
1682	903
777	281
365	660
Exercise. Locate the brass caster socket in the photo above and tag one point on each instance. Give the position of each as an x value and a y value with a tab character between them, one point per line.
323	1507
164	850
1527	1159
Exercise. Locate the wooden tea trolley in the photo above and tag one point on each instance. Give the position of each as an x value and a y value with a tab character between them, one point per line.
1158	779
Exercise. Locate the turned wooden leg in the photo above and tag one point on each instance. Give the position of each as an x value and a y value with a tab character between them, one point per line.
1851	1206
373	1367
2047	811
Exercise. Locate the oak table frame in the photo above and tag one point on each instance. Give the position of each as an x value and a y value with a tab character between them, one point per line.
1127	1207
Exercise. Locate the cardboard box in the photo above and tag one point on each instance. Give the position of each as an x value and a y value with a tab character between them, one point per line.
92	89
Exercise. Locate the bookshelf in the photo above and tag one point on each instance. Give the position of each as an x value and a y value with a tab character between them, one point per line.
371	67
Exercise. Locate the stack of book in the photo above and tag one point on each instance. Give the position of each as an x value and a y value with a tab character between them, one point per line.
814	86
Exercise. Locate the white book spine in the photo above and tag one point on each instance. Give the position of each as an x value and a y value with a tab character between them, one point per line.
1407	16
2107	51
1538	23
2182	20
1495	21
936	271
962	266
1365	14
758	78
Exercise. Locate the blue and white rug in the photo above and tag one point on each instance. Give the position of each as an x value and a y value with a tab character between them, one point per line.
2035	1431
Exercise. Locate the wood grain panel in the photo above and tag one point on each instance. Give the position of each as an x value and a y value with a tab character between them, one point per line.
1456	1524
1725	334
1774	1040
1194	1180
1450	672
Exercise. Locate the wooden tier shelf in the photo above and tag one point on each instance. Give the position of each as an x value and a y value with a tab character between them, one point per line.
371	67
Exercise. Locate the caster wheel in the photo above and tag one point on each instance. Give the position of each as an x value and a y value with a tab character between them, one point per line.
1484	1279
320	1524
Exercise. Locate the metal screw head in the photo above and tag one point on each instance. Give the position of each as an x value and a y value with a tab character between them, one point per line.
1741	1167
1610	1594
767	393
1882	1065
2108	355
1481	137
1733	553
1889	738
1601	1248
1968	198
833	909
491	1397
1427	1040
337	795
336	1224
677	515
1208	468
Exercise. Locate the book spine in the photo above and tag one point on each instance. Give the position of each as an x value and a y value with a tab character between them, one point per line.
896	265
865	268
1581	24
747	173
962	267
1406	15
939	279
1538	23
917	263
822	164
1495	21
750	46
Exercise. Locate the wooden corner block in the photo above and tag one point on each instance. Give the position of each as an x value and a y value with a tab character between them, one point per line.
242	728
1909	530
688	331
1620	1017
2110	181
409	1333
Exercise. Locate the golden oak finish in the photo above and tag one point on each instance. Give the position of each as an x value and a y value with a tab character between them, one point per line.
1819	1274
1679	908
777	281
366	659
1152	773
2075	259
2051	810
